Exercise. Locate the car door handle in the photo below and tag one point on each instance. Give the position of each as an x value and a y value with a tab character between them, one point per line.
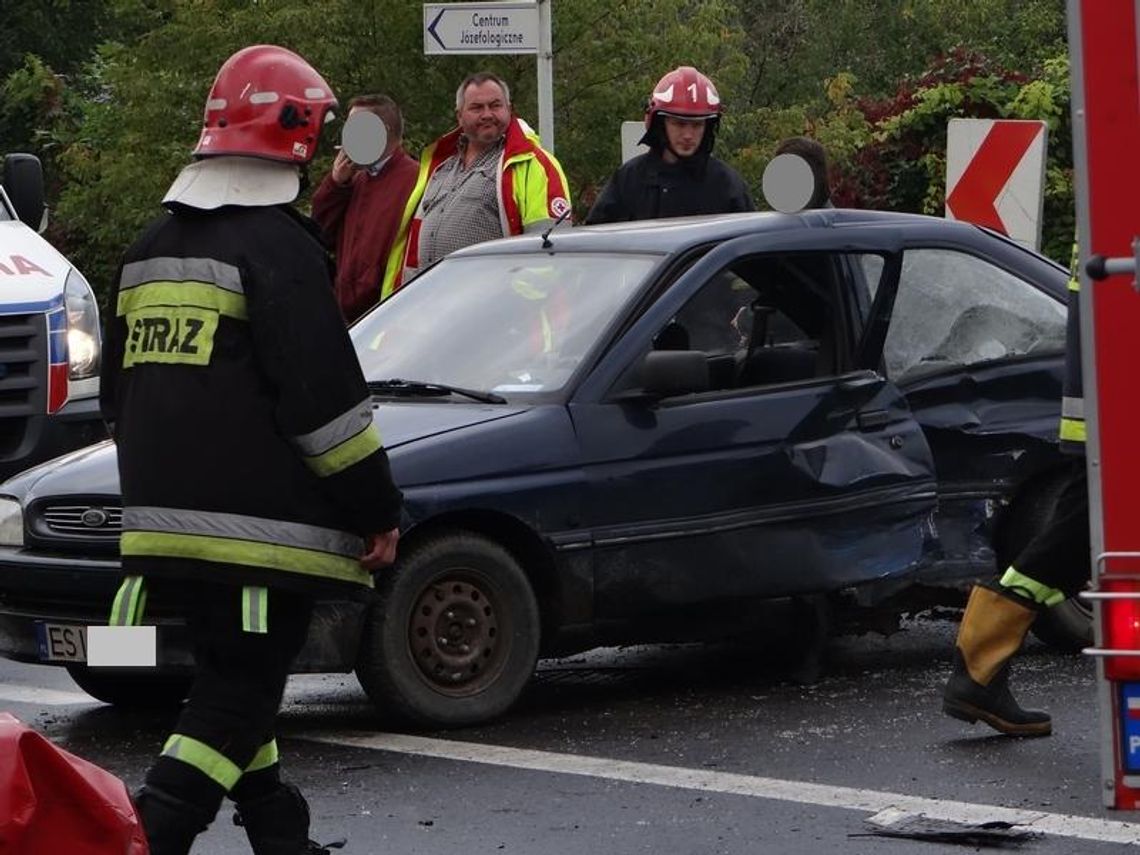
871	420
861	382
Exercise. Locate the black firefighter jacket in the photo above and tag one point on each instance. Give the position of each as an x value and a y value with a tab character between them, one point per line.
646	188
247	452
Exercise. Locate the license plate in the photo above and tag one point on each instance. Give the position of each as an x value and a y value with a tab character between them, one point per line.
61	642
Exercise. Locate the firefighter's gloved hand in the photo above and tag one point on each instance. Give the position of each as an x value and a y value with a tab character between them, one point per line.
380	550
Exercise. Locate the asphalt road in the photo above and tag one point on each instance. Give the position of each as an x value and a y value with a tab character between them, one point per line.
672	749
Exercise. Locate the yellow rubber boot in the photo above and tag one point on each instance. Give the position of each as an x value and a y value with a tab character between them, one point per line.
992	630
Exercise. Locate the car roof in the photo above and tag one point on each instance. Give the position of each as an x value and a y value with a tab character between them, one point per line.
682	233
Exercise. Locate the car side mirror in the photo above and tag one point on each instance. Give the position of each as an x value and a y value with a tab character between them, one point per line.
665	373
23	180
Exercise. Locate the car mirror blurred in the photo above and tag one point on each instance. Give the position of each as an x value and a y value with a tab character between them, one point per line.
665	373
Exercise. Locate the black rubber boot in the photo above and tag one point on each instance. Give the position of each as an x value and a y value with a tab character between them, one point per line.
278	823
993	627
170	823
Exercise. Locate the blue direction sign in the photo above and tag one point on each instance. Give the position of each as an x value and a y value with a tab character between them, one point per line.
481	27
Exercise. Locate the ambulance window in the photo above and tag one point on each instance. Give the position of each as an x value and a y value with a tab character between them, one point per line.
955	310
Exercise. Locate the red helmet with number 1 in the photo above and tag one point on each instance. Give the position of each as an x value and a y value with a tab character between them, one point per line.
686	93
266	102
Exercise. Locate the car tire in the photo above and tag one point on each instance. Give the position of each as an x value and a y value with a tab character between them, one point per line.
145	689
453	636
1068	626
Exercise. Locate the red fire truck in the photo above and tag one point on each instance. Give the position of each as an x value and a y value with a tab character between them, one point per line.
1106	150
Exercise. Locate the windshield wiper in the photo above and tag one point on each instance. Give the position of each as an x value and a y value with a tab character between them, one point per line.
413	388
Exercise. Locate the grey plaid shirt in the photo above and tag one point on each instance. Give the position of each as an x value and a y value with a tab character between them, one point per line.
460	206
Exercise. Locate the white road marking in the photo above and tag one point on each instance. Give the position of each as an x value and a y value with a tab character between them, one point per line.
42	697
821	795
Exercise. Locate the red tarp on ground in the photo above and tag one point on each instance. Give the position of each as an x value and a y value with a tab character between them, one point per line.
54	802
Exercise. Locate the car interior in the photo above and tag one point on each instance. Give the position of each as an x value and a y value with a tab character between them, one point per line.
765	320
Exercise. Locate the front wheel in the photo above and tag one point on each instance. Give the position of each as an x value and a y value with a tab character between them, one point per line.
453	636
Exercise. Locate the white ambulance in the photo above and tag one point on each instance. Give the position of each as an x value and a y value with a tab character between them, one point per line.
49	332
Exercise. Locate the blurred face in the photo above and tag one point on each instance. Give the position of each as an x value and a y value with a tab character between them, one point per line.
390	142
684	135
485	114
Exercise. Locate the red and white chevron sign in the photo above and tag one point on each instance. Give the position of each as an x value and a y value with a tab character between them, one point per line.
995	175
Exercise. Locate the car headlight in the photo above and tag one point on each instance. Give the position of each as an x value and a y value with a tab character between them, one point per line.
11	523
83	342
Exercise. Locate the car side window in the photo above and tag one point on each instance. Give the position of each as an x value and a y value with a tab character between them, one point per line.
764	320
956	310
715	318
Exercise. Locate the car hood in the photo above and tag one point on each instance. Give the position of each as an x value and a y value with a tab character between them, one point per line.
94	471
407	421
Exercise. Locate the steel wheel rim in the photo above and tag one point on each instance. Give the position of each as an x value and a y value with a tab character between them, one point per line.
457	633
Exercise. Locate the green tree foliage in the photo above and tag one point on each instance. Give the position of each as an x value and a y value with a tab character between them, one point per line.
42	44
890	152
62	33
964	86
882	41
33	98
113	95
609	55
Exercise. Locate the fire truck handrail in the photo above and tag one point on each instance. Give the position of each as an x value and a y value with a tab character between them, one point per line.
1109	595
1104	556
1102	651
1098	267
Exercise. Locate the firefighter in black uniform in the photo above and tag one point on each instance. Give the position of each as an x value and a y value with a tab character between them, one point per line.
1051	568
679	175
253	479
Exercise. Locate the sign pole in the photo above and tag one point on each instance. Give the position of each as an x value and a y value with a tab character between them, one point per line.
545	76
499	26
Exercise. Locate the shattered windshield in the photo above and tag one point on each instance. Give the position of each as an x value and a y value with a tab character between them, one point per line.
503	324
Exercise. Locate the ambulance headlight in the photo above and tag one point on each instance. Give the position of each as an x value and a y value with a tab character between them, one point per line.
11	522
83	341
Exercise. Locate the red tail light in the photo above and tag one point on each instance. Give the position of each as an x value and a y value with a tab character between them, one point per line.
1120	620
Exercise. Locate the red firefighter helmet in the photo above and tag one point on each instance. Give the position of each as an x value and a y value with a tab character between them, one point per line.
265	102
686	93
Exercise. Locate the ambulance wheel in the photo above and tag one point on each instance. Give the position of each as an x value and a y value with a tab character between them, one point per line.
1067	626
453	636
134	689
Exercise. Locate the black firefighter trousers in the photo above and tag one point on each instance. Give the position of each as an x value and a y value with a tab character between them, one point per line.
1057	556
238	683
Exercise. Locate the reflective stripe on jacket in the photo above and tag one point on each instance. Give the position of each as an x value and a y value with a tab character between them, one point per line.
532	192
246	445
1072	431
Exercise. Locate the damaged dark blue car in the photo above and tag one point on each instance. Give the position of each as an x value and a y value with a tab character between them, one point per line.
637	433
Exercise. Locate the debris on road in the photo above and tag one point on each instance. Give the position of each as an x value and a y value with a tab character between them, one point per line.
911	826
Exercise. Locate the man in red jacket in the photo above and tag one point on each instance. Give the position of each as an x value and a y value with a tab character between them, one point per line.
358	208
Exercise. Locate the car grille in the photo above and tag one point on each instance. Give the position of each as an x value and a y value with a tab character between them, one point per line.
22	378
89	521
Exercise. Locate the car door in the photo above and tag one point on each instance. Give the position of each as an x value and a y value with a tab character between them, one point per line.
807	478
976	343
